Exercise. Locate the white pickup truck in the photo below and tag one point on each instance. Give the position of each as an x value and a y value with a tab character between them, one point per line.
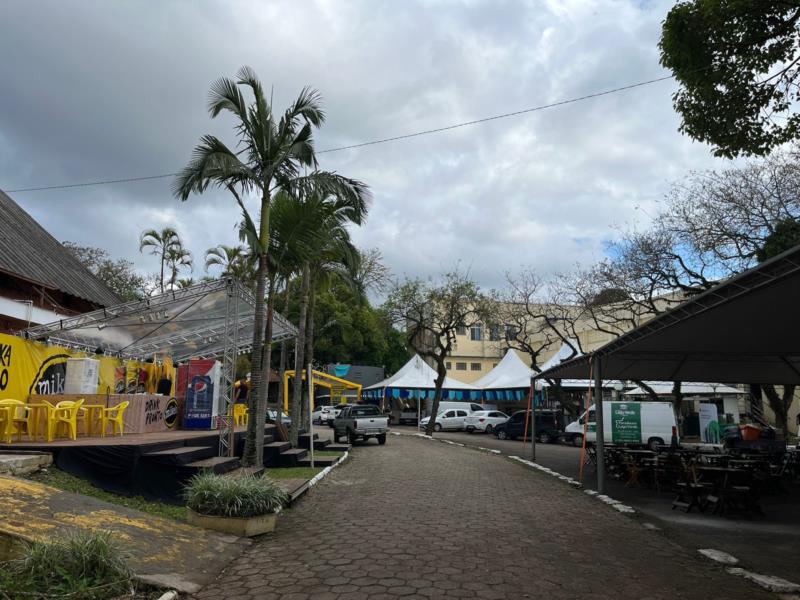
361	421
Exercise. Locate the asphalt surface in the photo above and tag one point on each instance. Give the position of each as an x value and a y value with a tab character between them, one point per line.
419	519
769	545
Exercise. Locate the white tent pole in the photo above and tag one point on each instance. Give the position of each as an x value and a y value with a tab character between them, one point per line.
311	411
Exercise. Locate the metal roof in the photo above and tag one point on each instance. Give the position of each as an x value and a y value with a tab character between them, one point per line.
28	252
744	330
186	323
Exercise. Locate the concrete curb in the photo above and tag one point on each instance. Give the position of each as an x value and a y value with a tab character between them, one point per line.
324	473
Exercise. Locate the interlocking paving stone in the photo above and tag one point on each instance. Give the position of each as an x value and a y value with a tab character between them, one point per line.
413	519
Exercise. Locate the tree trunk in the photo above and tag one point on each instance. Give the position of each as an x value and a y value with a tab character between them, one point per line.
299	357
310	339
677	401
161	281
780	406
650	391
255	424
282	364
437	396
263	397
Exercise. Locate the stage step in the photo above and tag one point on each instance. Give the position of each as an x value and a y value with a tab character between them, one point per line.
216	464
182	455
319	461
338	447
272	453
291	458
304	441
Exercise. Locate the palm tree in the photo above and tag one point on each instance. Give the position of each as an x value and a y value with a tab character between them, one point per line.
271	154
185	283
178	257
332	251
159	243
235	261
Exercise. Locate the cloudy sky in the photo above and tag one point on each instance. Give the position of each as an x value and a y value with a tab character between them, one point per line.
106	90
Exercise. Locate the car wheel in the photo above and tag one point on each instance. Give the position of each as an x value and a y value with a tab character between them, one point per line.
544	438
437	426
654	443
382	439
502	435
577	440
489	429
470	429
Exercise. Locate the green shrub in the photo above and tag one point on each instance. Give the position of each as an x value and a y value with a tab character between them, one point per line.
83	566
210	494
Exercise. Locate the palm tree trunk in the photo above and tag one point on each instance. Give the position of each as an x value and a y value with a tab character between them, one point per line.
267	360
254	440
310	340
299	358
282	365
163	256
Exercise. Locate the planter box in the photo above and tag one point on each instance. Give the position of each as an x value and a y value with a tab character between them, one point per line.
243	527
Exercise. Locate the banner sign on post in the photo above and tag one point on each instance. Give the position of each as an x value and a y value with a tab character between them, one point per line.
626	423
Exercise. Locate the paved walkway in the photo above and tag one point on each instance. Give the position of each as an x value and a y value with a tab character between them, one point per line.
419	519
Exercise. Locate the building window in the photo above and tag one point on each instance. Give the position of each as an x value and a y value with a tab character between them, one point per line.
461	330
475	366
511	332
448	365
461	366
494	333
476	333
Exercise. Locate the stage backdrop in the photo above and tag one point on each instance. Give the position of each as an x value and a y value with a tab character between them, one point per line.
33	369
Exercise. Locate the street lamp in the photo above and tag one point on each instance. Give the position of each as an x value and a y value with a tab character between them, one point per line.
537	387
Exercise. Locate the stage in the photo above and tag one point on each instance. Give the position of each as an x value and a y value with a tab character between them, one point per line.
153	465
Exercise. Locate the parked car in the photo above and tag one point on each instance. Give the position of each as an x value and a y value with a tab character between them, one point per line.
484	420
361	421
323	414
547	427
336	409
448	419
272	417
648	423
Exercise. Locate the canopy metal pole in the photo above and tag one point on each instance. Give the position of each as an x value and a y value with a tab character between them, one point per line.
600	440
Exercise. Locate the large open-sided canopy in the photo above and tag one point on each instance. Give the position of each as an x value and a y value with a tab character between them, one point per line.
416	379
665	388
743	330
186	323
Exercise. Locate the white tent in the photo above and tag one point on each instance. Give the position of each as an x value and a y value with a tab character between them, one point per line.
664	388
418	380
566	353
510	373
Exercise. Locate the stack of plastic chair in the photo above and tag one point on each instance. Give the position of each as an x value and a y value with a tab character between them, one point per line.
114	415
14	414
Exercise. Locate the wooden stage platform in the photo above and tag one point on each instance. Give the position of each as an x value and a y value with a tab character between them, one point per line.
153	465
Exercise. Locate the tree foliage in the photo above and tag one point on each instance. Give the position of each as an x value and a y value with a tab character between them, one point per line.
119	274
737	63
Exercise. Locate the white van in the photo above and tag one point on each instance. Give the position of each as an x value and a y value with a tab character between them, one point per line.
643	423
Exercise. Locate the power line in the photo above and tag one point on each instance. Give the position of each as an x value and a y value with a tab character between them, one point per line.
379	141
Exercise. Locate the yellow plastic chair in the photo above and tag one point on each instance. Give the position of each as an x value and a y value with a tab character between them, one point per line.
240	415
15	415
65	413
114	416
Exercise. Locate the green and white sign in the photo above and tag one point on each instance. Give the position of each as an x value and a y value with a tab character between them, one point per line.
626	423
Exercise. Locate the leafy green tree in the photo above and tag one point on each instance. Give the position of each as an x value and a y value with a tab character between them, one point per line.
785	235
737	63
119	274
234	261
178	258
271	154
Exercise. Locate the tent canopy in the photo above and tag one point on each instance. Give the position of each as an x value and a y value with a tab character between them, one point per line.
664	388
416	374
186	323
510	373
743	330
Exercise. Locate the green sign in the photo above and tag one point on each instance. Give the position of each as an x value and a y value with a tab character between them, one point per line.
626	423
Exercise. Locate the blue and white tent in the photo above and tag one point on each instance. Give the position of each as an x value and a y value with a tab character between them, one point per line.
416	379
509	381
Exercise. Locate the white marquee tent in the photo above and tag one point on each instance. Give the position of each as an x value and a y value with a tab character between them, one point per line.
416	379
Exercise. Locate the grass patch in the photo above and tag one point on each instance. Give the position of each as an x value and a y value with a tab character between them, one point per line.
82	566
69	483
293	473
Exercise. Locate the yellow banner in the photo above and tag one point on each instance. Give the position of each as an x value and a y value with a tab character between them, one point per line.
30	369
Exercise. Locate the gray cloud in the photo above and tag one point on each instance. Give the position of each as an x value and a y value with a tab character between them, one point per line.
96	90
